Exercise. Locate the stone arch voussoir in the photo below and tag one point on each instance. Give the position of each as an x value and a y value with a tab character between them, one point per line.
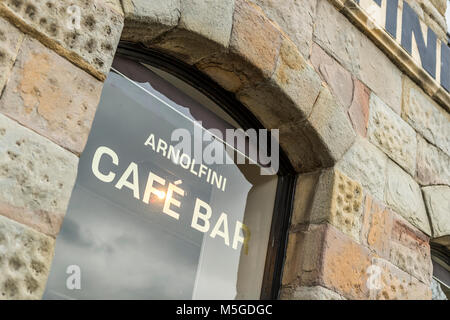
236	45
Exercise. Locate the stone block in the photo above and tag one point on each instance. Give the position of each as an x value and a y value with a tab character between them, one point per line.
344	267
324	256
36	178
377	227
288	96
410	250
426	116
338	200
359	109
396	284
25	260
203	29
437	200
348	269
392	135
340	38
186	46
253	50
309	293
293	16
346	206
330	124
433	165
146	20
10	41
310	154
212	19
51	96
260	51
85	32
285	100
392	238
229	72
366	164
304	197
339	79
116	5
358	54
403	194
303	256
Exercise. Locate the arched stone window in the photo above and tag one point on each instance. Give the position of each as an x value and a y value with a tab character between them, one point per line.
261	80
150	217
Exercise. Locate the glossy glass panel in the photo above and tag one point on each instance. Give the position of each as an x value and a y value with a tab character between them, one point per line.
147	220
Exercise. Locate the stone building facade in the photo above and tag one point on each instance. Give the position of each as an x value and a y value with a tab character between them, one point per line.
362	121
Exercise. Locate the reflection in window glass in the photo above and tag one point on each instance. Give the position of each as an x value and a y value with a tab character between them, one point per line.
148	221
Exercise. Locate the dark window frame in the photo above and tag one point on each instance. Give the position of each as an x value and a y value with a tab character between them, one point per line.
284	199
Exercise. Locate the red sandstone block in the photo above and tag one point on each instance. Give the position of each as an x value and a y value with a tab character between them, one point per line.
51	96
323	256
359	109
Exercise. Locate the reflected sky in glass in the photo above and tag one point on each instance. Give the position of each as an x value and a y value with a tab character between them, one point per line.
127	249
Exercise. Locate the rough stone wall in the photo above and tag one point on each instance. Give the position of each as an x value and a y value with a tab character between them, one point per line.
371	148
51	76
387	187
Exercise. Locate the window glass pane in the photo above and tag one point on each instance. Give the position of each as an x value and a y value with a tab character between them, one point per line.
147	219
